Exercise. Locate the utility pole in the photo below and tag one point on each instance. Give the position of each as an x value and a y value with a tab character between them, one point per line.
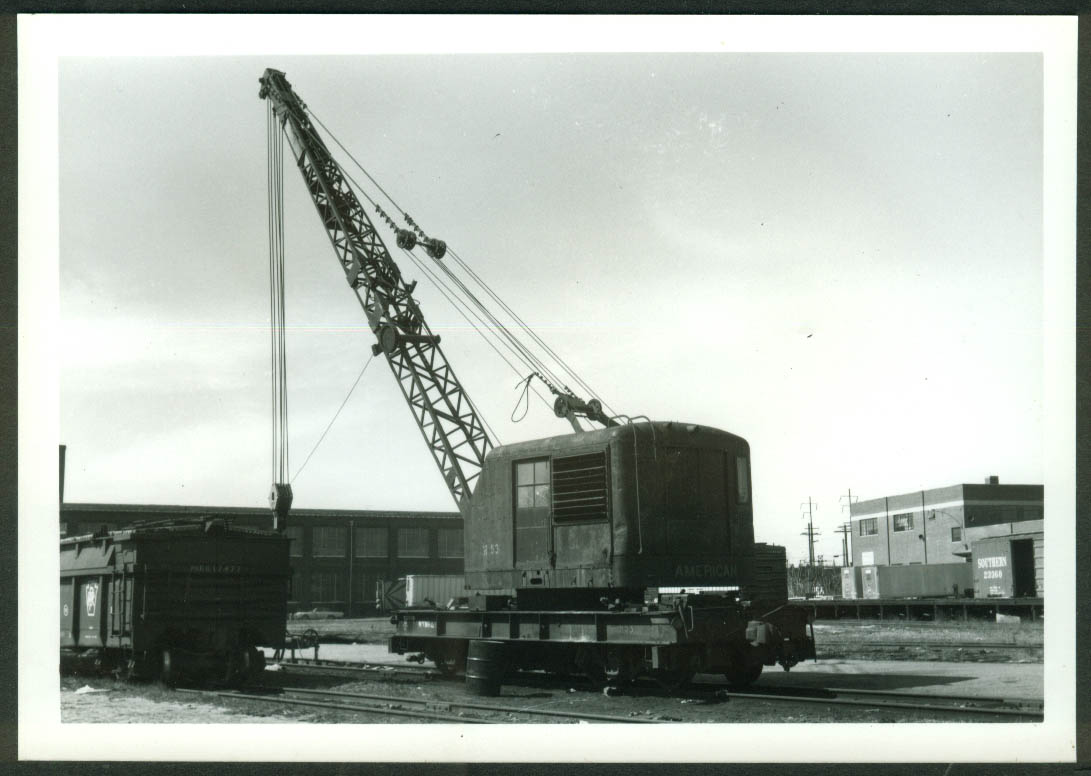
845	530
847	500
810	533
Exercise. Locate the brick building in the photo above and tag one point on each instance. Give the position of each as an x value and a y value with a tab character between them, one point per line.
338	557
941	525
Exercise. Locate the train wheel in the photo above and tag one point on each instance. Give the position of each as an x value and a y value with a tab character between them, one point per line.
673	680
448	665
678	672
623	666
136	667
168	672
744	675
450	661
591	663
255	665
308	639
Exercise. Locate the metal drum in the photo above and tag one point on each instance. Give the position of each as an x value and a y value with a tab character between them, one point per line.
486	662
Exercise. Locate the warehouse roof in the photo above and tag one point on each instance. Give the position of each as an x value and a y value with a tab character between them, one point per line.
189	509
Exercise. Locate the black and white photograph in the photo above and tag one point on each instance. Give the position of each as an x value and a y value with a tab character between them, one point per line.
709	372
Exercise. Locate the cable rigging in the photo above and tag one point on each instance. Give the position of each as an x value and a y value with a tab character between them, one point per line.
436	249
280	498
406	241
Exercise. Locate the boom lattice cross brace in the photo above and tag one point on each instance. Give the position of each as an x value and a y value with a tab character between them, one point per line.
446	417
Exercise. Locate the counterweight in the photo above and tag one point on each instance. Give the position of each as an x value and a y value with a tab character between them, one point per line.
444	413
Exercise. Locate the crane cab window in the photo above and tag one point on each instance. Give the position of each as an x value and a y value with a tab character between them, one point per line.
742	479
532	505
532	484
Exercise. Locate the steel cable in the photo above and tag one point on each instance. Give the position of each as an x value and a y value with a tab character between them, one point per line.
528	354
498	330
278	351
333	419
358	189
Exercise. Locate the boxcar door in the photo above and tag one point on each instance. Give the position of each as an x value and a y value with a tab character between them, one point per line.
1022	568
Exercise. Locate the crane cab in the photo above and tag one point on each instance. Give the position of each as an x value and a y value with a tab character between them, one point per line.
568	521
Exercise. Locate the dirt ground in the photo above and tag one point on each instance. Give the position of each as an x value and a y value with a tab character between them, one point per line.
119	702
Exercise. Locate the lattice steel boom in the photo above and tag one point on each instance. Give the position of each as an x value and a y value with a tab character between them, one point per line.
446	417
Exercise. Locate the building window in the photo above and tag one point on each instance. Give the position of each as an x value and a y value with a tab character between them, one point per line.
450	542
903	522
983	516
956	534
325	586
328	541
371	542
869	526
412	542
295	540
364	591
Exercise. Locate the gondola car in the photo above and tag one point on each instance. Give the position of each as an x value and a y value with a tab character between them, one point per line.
191	598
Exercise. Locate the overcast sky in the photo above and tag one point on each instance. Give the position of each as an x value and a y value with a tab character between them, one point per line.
837	257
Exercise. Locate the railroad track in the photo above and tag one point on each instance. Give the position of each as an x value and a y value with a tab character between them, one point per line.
383	670
400	706
929	644
1016	709
1029	709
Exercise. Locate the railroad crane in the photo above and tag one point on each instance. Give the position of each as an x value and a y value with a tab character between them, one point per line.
618	551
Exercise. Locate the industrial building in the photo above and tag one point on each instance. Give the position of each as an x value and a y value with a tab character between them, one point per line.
996	528
340	559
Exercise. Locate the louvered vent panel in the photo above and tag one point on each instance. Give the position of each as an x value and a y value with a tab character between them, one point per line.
580	487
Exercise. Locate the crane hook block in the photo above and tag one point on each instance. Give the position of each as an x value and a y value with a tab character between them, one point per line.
280	501
407	240
436	248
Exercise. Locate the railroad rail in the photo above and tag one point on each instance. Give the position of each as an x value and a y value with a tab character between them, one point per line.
393	705
930	644
315	665
1030	709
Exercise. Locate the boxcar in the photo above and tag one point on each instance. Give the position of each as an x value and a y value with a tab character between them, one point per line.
194	597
